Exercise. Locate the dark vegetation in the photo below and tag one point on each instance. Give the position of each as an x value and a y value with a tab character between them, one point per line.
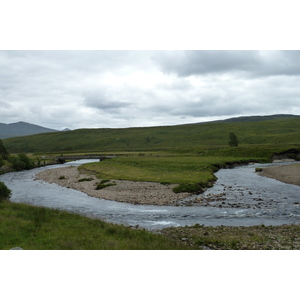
103	184
233	140
5	192
17	162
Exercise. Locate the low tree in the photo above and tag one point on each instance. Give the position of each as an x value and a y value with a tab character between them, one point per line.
3	152
21	162
233	140
5	192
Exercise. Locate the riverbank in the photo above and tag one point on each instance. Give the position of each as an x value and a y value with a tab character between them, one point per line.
133	192
288	173
284	237
39	228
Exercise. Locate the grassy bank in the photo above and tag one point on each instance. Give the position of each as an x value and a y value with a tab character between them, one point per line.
39	228
35	228
284	237
192	173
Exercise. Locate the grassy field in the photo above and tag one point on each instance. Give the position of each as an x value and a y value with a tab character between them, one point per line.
188	171
36	228
191	138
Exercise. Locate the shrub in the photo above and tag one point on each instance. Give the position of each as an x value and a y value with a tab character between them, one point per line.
3	152
233	140
21	162
101	185
85	179
5	192
194	188
1	162
104	181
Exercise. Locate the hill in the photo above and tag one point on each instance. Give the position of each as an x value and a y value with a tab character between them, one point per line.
257	118
21	129
275	131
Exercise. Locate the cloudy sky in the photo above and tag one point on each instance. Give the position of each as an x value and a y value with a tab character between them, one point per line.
97	89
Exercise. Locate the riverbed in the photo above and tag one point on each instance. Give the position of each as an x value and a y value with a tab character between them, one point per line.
240	197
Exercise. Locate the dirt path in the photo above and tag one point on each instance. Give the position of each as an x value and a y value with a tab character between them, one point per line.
287	173
123	190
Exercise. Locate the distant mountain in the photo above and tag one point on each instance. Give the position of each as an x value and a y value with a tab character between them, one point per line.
21	129
256	118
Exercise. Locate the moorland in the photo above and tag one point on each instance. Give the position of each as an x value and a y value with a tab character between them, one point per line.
185	155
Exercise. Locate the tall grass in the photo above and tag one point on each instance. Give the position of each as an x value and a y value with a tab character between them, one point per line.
42	228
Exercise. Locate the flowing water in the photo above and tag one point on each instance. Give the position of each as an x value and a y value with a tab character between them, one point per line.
243	198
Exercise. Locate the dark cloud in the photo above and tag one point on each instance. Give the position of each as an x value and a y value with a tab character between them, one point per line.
106	105
254	63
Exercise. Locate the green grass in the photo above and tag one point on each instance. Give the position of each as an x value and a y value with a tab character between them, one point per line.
192	172
42	228
37	228
284	132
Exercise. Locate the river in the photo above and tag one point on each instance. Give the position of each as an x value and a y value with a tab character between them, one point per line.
245	199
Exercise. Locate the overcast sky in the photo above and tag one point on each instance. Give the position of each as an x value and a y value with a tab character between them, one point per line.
97	89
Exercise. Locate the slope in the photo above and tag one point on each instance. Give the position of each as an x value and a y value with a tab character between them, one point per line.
281	131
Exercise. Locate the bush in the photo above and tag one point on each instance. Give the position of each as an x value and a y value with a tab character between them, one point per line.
194	188
3	152
21	162
233	140
5	192
85	179
101	185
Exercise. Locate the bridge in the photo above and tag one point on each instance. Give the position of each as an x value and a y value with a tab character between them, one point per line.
63	158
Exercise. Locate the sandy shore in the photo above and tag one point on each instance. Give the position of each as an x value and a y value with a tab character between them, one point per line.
287	173
123	190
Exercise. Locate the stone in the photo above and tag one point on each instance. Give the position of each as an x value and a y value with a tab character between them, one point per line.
16	248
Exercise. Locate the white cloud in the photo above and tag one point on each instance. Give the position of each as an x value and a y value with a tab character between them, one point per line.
76	89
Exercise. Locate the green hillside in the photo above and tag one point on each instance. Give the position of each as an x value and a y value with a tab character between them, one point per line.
281	131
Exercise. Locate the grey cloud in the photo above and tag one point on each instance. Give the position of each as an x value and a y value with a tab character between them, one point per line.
105	101
4	105
254	63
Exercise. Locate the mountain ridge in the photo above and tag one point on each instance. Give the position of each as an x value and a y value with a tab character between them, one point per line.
256	118
21	129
